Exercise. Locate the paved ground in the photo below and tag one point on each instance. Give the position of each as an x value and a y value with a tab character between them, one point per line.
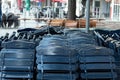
34	24
111	25
31	24
23	24
4	31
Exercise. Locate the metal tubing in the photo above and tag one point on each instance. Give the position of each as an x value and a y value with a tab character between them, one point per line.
87	15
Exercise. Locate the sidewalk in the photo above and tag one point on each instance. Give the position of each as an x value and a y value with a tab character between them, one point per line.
111	25
4	31
31	24
23	24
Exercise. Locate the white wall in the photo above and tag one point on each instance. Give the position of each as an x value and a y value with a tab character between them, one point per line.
104	8
78	7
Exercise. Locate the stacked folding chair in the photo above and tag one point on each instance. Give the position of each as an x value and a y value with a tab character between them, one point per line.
55	61
112	40
0	56
17	60
0	65
0	44
96	63
116	47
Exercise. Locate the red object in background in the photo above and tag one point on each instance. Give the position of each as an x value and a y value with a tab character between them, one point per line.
58	0
108	0
19	4
39	0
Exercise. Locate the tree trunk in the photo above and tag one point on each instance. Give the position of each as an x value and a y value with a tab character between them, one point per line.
71	9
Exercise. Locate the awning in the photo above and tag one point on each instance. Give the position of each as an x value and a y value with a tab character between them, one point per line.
108	0
62	1
39	0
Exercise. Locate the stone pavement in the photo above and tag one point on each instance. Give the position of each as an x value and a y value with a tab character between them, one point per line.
4	31
23	24
112	25
33	24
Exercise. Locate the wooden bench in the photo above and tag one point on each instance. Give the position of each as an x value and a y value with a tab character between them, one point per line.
71	24
93	23
82	23
56	22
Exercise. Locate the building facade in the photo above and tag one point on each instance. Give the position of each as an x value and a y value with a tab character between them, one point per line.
108	9
100	9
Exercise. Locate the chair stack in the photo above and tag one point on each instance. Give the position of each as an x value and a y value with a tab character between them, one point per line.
0	56
55	61
96	63
110	39
17	60
0	65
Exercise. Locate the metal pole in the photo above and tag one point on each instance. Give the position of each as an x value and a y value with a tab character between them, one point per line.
87	15
53	5
0	12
